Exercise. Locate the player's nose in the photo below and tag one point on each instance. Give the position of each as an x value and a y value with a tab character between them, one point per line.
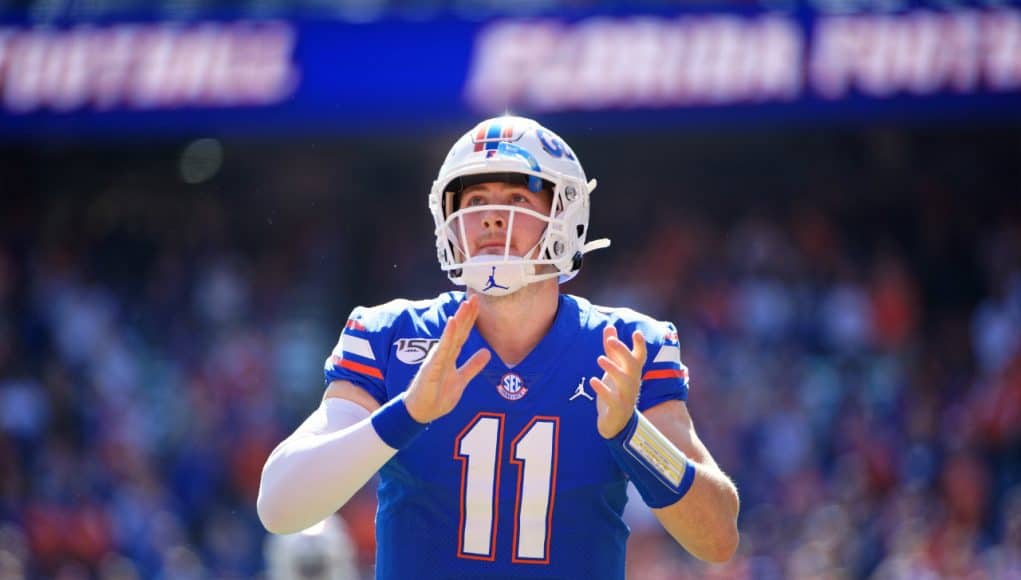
492	219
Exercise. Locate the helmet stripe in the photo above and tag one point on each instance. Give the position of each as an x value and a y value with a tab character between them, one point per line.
490	136
493	136
480	138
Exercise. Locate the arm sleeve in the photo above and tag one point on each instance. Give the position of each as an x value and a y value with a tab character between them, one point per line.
360	354
320	466
664	376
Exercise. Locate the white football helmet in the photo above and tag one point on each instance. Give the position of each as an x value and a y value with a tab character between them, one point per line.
513	149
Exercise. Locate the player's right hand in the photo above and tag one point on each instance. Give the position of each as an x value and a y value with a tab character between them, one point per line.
439	383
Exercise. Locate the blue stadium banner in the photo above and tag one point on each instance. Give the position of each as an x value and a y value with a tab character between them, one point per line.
117	77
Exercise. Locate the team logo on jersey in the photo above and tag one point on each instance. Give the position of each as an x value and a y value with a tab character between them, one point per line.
511	387
412	351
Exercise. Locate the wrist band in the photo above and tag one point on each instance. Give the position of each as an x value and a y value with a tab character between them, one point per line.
395	425
662	474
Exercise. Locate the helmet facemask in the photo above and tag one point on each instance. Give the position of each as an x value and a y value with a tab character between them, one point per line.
507	270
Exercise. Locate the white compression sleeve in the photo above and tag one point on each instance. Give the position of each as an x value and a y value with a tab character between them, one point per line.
320	466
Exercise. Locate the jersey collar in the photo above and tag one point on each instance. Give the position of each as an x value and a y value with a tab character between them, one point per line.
566	325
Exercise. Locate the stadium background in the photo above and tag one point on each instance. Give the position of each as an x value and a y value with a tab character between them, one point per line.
845	278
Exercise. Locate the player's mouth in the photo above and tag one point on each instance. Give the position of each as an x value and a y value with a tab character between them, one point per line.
492	247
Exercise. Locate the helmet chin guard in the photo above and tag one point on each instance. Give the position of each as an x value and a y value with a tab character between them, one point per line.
498	277
496	150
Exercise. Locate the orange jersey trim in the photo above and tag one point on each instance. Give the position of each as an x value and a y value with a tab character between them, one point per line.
663	374
360	368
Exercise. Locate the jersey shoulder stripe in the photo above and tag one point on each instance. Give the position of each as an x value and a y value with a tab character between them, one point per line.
363	350
664	375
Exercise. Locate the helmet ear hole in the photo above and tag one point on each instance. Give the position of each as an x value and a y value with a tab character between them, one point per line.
581	230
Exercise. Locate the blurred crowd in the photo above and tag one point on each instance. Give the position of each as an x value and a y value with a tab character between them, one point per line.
854	343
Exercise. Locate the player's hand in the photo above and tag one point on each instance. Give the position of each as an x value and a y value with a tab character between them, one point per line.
617	391
438	385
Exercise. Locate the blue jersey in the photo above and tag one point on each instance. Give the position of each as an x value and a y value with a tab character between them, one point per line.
515	481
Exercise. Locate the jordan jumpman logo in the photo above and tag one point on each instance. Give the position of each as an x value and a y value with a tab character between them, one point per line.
492	281
580	391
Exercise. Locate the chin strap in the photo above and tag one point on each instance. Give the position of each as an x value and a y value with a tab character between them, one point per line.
497	277
601	242
595	245
576	262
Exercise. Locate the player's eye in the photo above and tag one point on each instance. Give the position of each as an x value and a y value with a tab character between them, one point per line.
519	198
474	200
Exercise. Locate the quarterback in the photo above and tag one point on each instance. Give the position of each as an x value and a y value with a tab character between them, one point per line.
505	421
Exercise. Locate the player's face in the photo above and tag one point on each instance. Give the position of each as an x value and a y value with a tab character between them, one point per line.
486	231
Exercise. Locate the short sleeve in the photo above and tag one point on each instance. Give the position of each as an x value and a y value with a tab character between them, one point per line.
664	376
359	356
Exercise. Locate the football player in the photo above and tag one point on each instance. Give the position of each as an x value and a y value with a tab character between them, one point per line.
505	421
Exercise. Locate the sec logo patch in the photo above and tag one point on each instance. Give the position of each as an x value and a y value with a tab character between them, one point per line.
511	387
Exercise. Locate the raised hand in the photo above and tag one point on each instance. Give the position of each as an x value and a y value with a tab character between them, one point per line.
439	383
617	391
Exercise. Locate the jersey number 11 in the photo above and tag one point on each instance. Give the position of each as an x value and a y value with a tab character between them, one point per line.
479	448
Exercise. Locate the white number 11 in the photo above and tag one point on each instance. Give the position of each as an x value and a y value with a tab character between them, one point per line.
479	448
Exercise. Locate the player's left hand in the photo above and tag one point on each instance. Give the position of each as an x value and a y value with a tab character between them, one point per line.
617	391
